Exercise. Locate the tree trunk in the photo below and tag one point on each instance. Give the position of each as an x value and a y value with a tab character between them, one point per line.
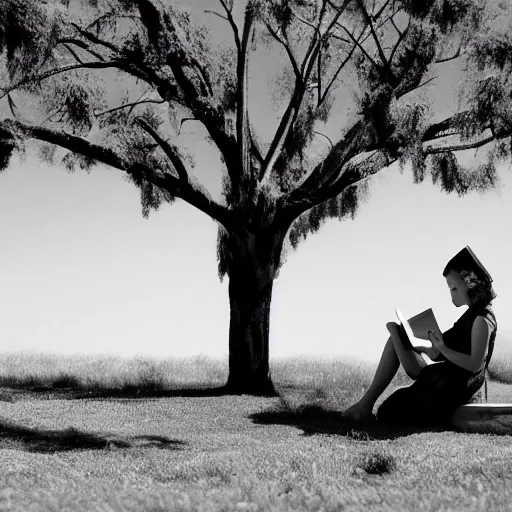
252	267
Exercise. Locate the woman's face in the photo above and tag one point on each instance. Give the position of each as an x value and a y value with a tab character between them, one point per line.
458	289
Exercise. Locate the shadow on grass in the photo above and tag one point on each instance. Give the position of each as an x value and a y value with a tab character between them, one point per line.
49	441
125	392
315	419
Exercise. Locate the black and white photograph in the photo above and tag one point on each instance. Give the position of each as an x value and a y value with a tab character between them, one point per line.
255	255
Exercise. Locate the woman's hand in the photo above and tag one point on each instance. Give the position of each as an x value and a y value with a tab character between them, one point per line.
436	338
432	352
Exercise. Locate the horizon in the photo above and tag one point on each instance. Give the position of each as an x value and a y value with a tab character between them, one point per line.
83	272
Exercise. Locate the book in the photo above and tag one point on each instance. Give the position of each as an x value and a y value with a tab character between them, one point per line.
416	328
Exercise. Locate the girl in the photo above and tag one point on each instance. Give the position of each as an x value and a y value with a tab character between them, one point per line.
453	372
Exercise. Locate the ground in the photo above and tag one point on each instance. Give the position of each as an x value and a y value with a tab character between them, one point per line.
293	452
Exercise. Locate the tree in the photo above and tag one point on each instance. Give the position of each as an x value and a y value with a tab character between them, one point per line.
60	60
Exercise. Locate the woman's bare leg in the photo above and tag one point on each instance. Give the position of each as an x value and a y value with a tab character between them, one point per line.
394	353
411	360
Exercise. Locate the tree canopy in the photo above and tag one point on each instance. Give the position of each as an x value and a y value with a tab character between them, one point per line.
65	63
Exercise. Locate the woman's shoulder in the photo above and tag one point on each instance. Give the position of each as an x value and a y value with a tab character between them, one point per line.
486	313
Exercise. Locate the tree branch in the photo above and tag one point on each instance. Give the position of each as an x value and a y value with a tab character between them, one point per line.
186	191
323	135
401	37
212	119
216	14
73	53
306	22
204	75
73	143
138	70
82	45
293	107
171	151
382	9
183	121
343	64
292	111
127	105
286	46
325	176
12	106
400	33
242	110
111	14
431	150
254	149
360	46
56	71
95	39
453	57
319	78
231	20
426	82
205	108
360	40
313	44
434	131
382	56
351	174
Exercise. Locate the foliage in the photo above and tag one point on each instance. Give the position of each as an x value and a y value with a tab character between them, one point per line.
114	82
7	146
344	205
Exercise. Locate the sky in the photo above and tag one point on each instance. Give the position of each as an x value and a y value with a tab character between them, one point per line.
82	272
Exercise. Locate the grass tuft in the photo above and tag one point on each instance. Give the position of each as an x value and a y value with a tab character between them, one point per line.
66	381
377	463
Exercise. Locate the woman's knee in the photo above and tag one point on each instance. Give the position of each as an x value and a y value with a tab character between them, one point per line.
392	327
409	361
412	370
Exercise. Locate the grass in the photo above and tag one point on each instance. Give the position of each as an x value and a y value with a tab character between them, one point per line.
206	453
93	373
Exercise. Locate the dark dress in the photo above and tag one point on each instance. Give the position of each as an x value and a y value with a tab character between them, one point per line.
440	388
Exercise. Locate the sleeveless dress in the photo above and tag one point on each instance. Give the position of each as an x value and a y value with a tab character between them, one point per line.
441	387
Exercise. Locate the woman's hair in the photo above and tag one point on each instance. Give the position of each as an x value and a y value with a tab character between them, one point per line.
480	289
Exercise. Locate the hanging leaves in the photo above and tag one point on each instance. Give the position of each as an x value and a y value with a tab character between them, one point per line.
74	161
7	147
341	207
223	252
452	177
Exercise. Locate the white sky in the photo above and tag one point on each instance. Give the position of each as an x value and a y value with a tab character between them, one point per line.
82	272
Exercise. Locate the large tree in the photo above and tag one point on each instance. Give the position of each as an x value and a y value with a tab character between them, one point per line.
61	60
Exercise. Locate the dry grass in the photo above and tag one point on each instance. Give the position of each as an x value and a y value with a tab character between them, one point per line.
500	367
96	373
231	453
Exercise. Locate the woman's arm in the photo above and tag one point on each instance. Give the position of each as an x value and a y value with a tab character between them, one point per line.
432	352
480	334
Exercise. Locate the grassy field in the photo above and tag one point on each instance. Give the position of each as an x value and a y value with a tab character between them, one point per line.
119	435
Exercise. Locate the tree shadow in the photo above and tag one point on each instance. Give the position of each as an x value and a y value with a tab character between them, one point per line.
134	392
126	392
316	419
50	441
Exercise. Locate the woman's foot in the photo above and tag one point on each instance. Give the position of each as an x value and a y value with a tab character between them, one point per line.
359	412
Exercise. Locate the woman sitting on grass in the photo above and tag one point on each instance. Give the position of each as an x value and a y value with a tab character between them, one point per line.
453	372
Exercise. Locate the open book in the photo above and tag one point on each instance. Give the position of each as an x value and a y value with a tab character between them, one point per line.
417	327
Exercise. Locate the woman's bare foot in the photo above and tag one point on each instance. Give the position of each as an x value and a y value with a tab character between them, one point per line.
358	412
